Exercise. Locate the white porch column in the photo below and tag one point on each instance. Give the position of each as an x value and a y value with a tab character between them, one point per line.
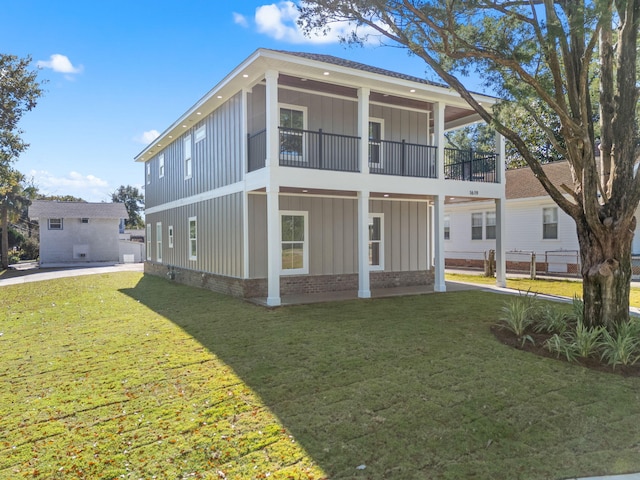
438	137
245	194
273	246
364	289
363	129
273	119
438	227
501	207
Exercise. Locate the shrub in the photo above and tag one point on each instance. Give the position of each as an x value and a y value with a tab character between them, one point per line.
550	320
559	345
577	310
517	316
586	339
621	347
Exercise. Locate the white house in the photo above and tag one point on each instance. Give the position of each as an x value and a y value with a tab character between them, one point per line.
535	224
78	232
302	173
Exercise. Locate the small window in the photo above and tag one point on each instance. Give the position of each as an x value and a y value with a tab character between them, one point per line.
159	241
292	127
55	224
376	246
161	166
201	133
476	226
294	234
170	235
447	227
148	234
490	228
187	157
148	164
84	220
550	223
193	238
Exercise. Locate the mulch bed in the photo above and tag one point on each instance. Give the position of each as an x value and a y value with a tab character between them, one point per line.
506	337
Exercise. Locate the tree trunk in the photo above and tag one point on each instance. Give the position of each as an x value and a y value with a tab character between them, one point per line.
606	274
4	225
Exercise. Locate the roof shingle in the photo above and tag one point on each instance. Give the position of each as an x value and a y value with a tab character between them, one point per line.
50	209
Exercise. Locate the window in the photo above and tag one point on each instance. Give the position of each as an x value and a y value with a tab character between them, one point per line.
148	164
187	157
170	235
375	143
490	227
447	227
376	246
550	223
84	220
55	224
295	253
148	241
476	226
292	123
161	166
193	238
201	133
159	241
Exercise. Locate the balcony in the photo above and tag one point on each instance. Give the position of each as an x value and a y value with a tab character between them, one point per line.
329	151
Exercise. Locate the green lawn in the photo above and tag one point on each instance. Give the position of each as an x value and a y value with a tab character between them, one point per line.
127	376
561	287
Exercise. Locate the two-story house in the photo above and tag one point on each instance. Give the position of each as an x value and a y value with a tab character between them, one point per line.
302	173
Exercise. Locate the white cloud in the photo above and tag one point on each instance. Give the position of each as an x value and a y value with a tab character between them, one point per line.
240	19
89	187
279	21
60	63
147	137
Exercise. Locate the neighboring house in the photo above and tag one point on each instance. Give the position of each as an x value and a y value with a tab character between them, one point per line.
303	173
78	232
535	225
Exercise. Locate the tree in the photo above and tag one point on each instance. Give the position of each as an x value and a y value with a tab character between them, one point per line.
59	198
134	203
540	51
13	200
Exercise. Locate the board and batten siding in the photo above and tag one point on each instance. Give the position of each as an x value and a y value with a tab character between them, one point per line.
216	160
333	234
219	235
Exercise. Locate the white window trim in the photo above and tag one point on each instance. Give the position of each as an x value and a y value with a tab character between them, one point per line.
481	214
446	220
200	134
148	239
189	239
305	157
486	225
380	164
381	241
557	224
55	228
170	235
305	253
159	241
188	160
148	165
161	166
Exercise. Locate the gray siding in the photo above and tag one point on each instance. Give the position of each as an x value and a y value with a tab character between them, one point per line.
219	235
333	234
401	125
216	161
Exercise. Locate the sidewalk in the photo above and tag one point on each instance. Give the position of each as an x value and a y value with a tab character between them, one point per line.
25	273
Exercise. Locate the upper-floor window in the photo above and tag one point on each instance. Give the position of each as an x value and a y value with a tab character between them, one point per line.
55	224
201	133
490	227
294	243
84	220
148	165
376	241
476	226
293	124
447	227
550	223
161	166
375	142
187	157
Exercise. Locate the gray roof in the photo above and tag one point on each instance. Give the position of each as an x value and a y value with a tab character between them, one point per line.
49	209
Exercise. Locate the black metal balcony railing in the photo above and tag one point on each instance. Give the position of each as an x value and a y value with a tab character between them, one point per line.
330	151
470	165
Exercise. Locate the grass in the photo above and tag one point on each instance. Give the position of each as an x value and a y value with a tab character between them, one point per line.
560	287
126	376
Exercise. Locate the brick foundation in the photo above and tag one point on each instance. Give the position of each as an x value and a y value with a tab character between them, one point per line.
297	284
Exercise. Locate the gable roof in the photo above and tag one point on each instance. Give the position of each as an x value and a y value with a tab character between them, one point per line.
522	183
49	209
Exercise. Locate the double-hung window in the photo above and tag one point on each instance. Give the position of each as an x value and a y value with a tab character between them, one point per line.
447	227
148	165
294	242
292	126
55	224
159	241
148	241
490	227
193	238
170	235
476	226
376	241
161	166
188	167
550	223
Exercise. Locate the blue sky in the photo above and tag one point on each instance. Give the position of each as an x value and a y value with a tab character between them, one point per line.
120	71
